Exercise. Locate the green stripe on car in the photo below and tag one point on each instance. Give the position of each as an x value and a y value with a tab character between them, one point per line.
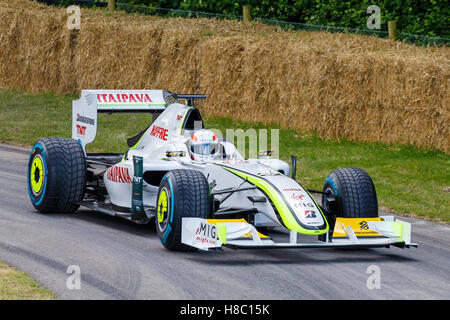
285	213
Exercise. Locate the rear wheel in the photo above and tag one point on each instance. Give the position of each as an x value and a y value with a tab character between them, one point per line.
182	193
350	194
56	175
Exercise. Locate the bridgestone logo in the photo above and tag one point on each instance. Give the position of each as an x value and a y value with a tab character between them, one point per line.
84	119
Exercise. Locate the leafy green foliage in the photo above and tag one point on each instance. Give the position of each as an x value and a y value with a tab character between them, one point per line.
424	17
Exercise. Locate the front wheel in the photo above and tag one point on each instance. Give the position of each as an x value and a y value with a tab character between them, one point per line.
182	193
350	193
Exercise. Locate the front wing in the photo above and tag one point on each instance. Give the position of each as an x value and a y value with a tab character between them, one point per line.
355	233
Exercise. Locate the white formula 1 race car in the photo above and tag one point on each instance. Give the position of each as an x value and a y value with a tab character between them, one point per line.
199	190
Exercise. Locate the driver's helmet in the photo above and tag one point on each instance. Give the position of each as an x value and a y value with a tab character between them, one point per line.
203	145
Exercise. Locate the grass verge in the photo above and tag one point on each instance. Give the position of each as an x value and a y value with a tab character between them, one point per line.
17	285
408	180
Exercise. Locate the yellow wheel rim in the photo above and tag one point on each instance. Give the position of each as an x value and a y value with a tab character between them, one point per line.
37	175
162	205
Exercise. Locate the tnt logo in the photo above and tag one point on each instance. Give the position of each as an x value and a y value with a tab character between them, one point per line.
81	130
364	225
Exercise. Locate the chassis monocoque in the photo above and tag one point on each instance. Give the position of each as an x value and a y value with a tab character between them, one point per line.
224	201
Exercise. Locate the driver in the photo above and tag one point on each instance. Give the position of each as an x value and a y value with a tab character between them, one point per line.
203	145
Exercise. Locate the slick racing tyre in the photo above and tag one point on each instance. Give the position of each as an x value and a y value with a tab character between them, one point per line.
182	193
56	175
353	193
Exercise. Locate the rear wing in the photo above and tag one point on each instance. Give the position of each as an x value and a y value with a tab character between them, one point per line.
91	102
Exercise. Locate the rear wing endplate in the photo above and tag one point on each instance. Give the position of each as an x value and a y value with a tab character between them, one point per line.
91	102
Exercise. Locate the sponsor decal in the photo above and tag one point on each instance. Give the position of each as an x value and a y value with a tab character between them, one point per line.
359	226
84	119
298	200
364	225
123	98
118	174
179	117
137	179
81	130
297	196
235	162
206	233
304	205
310	214
159	132
171	98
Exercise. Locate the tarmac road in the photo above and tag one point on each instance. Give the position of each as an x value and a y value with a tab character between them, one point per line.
121	260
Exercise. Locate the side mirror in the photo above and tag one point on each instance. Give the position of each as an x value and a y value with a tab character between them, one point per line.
294	166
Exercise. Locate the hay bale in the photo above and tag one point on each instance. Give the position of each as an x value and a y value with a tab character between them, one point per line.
337	85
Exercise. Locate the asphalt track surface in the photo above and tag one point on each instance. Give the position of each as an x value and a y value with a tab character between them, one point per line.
122	260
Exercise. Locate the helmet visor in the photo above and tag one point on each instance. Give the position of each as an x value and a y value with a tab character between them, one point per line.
204	149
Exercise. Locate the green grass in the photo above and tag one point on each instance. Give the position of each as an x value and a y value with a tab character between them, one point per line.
408	180
17	285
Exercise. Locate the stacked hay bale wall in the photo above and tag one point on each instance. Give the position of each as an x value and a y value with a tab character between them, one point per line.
337	85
